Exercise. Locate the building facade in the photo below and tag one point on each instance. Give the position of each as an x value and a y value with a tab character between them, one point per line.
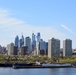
27	42
10	48
53	48
24	50
17	41
33	42
67	47
41	47
38	37
15	52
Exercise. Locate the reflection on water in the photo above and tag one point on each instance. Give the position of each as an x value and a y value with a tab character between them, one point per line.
53	71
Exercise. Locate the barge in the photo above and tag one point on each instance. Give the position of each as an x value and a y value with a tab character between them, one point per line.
43	66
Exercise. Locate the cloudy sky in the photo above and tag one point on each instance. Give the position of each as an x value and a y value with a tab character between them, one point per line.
52	18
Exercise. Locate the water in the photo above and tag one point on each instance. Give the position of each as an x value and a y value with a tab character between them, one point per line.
55	71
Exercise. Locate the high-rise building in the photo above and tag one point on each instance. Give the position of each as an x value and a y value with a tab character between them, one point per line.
37	48
22	40
53	48
24	50
46	48
41	47
33	42
67	47
33	37
10	48
20	43
27	42
15	52
17	41
38	37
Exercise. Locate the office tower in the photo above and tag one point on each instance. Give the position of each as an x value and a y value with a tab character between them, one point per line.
37	48
41	47
38	37
33	37
22	40
53	48
24	50
10	48
17	41
46	48
20	43
15	52
33	42
67	47
27	42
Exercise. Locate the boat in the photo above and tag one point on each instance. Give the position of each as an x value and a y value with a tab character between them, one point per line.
43	66
22	65
57	65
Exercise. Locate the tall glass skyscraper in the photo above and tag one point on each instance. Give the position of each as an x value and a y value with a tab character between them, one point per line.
27	43
22	40
33	37
17	41
33	41
38	37
20	43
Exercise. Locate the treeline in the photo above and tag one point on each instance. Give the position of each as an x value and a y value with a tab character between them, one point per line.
33	59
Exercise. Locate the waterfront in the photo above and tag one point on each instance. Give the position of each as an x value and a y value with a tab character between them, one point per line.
51	71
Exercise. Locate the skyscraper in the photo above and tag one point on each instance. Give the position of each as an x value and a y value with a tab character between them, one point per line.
27	42
41	47
10	48
24	50
17	41
21	41
38	37
15	52
67	47
33	37
33	42
53	48
37	48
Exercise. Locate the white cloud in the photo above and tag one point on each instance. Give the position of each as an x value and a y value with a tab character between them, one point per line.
68	29
13	26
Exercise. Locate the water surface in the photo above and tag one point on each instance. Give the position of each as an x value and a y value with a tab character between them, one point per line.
52	71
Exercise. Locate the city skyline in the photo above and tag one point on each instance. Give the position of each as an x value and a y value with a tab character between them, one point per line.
34	40
51	48
50	18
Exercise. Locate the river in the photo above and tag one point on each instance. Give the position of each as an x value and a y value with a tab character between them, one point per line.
51	71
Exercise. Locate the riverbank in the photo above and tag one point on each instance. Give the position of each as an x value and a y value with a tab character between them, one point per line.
8	61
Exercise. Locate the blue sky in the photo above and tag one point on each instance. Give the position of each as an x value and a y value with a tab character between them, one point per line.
52	18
